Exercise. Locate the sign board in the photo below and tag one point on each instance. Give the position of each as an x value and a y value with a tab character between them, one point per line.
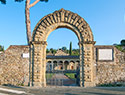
25	55
105	54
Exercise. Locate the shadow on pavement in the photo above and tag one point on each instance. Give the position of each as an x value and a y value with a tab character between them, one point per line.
112	88
11	86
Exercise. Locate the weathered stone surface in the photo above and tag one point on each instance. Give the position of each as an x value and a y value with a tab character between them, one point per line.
66	19
111	72
13	67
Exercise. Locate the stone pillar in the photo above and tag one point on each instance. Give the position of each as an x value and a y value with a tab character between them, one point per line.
52	66
89	64
75	65
30	64
63	65
39	64
81	58
57	65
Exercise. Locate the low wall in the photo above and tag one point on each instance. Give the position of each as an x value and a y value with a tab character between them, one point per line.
14	69
110	72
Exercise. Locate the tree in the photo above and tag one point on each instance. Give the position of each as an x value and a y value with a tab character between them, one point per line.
64	48
27	15
1	48
70	49
53	51
75	52
47	50
123	42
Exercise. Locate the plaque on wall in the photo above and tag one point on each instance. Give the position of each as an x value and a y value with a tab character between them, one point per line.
25	55
105	54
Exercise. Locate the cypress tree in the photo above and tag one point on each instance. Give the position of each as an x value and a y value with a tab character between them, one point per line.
70	49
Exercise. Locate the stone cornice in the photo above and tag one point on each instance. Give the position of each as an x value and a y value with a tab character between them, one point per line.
87	42
39	42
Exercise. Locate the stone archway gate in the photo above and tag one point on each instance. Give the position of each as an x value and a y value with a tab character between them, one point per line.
61	19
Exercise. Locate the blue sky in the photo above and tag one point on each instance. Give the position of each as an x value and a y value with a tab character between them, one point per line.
105	17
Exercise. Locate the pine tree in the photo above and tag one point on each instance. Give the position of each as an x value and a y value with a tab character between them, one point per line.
70	49
123	42
28	5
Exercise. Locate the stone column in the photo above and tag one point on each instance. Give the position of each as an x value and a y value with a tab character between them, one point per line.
81	58
52	66
30	64
39	64
75	64
89	64
63	66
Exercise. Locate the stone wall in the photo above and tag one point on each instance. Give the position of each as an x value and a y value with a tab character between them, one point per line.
14	69
110	72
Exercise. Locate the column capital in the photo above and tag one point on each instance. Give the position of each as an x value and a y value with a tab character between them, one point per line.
86	42
39	42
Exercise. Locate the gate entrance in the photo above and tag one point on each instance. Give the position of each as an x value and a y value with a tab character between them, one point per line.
62	19
62	72
61	78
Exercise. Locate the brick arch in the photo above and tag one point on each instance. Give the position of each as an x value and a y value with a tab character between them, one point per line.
61	19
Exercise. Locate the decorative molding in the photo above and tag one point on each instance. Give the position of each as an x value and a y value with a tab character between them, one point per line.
39	42
62	16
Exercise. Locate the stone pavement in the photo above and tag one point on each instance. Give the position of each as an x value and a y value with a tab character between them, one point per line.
63	90
62	80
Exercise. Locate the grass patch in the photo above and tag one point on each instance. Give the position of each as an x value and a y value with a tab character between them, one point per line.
49	75
119	47
70	75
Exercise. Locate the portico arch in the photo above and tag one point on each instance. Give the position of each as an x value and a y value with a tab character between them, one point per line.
62	19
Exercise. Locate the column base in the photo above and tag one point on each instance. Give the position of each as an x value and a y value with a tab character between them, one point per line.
89	84
38	84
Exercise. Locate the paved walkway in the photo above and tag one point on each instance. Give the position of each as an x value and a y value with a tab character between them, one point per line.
11	91
63	90
61	80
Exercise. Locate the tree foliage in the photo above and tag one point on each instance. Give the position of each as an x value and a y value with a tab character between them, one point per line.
64	48
53	51
4	1
70	49
1	48
75	52
123	42
44	0
121	46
